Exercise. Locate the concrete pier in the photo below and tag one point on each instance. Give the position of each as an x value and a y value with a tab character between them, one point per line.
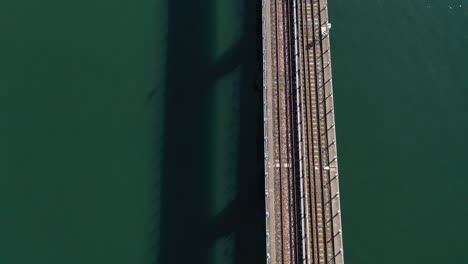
303	217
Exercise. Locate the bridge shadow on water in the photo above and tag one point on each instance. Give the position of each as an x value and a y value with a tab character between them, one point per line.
187	230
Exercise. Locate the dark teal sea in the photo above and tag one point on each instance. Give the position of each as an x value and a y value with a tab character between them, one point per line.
400	78
130	131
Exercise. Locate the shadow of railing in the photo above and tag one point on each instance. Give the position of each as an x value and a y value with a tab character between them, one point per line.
187	232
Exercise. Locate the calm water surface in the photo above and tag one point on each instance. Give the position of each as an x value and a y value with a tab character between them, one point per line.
77	136
401	85
129	132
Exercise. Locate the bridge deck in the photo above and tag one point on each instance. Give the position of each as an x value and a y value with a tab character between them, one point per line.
301	174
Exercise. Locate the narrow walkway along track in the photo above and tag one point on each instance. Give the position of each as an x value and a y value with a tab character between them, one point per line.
301	174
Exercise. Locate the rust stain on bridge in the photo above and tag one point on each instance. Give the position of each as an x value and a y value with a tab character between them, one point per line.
301	174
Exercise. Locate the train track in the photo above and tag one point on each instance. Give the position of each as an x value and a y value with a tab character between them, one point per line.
300	149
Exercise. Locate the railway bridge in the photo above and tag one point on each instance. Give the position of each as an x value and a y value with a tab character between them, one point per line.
302	202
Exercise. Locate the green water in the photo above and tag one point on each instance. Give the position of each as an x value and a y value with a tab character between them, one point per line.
212	193
76	133
400	71
130	131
